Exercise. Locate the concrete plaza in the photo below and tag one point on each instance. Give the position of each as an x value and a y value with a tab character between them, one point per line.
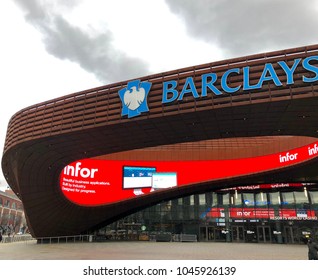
143	250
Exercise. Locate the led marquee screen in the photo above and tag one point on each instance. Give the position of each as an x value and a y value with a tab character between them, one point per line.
90	182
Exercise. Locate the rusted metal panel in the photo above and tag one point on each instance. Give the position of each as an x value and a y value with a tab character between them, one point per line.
43	138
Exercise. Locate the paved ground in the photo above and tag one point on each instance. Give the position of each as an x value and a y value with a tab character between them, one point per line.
150	251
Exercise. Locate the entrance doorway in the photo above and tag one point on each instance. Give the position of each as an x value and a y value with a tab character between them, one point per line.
264	234
207	234
238	234
289	235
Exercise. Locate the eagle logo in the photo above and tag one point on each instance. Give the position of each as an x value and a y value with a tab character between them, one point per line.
134	98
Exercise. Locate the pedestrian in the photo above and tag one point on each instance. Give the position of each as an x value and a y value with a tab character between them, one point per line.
312	250
0	237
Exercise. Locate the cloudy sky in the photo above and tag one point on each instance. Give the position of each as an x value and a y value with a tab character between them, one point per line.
50	48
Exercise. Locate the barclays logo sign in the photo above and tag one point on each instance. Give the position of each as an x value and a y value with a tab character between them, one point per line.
134	98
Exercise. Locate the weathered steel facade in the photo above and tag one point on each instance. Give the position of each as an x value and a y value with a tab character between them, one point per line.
42	139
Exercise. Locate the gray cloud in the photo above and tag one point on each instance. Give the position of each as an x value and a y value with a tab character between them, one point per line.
248	26
94	53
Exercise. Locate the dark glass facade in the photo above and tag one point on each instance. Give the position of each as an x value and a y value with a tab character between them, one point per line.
281	215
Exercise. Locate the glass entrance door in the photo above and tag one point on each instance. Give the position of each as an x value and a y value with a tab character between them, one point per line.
264	234
238	234
289	235
207	233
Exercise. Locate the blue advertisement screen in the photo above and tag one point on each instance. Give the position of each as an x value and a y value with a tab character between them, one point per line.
136	177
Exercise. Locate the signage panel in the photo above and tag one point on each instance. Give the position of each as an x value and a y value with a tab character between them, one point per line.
90	182
261	213
281	73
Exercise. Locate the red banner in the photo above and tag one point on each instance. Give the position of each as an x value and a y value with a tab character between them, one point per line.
263	213
96	182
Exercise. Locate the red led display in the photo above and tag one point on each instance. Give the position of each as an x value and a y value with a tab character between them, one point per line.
90	182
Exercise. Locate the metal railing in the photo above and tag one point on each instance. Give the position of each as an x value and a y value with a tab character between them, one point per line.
65	239
16	238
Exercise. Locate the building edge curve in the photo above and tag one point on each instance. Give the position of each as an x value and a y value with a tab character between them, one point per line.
44	138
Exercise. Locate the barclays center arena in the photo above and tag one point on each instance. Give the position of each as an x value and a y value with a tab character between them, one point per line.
224	151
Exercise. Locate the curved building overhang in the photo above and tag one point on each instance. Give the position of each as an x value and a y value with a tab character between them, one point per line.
197	118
